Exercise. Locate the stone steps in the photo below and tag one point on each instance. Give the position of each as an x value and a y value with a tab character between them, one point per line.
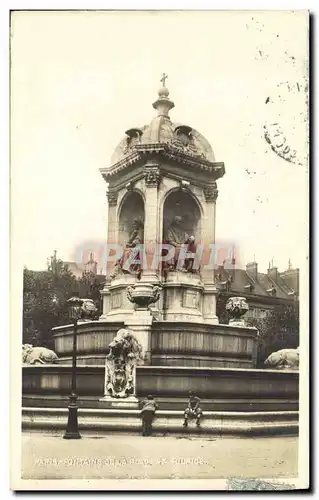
166	421
207	405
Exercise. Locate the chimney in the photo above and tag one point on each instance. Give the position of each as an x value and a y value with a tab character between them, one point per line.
291	278
272	273
252	270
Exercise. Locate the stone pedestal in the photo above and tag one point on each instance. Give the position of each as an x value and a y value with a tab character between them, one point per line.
183	294
106	298
209	304
237	323
116	306
140	324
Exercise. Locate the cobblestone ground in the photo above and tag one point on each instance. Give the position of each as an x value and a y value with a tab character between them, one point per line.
135	457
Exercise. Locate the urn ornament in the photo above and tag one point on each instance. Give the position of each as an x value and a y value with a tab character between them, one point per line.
143	294
236	308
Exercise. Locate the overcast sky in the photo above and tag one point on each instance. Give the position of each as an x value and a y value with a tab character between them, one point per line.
79	80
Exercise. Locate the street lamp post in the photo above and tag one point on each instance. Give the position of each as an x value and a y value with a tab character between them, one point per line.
72	431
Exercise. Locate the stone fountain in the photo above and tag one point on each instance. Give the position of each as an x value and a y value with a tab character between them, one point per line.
159	332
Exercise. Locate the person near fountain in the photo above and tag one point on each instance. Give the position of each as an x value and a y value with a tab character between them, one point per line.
149	407
193	409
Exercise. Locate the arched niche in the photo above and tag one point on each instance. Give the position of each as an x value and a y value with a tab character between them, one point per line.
131	210
182	203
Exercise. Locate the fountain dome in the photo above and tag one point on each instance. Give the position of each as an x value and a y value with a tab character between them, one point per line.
161	130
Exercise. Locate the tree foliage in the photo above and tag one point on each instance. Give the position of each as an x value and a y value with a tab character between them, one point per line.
45	295
44	303
89	288
278	330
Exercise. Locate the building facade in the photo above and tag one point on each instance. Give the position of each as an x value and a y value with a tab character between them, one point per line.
263	291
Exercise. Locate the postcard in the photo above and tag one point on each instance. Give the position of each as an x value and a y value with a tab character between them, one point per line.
159	185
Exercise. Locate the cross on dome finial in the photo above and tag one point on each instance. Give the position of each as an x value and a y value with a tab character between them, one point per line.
163	103
164	77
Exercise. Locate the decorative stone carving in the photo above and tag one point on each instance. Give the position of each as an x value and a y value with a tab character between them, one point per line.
237	307
284	359
152	176
116	300
125	353
112	198
191	299
38	355
211	193
184	141
143	294
89	311
133	138
188	149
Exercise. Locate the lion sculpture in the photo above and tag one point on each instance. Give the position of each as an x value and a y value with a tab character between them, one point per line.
285	359
38	355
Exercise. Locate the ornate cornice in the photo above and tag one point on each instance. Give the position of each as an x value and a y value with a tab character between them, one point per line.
142	151
211	193
152	176
112	197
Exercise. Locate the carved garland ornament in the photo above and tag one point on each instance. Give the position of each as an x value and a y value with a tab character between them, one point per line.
112	198
211	193
152	177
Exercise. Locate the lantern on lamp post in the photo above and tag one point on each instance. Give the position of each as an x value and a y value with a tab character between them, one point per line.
72	431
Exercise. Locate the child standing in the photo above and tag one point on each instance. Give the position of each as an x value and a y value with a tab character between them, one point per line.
149	407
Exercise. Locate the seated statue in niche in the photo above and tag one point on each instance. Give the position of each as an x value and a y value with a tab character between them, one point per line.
137	231
179	238
135	239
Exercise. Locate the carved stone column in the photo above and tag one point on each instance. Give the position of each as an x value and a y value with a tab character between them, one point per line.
112	196
208	238
151	223
106	298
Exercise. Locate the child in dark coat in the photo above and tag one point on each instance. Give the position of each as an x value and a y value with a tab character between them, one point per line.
149	407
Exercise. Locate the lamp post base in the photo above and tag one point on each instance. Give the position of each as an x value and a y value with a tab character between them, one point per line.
72	431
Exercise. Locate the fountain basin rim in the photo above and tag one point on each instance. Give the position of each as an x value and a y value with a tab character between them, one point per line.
181	324
94	322
164	368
